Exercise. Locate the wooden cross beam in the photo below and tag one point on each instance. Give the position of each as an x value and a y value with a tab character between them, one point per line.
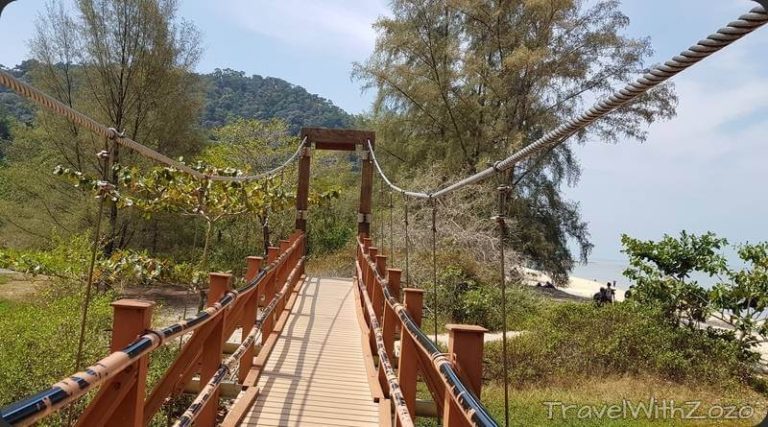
337	139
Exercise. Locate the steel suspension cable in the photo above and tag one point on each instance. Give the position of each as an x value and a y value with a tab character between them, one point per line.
57	107
723	37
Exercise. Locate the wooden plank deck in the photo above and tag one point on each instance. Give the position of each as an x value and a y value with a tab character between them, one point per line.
316	375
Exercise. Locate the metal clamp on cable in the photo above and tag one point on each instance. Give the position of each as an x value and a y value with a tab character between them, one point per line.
301	214
365	155
364	218
306	151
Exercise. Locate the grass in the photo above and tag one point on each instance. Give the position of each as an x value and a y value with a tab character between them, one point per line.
527	405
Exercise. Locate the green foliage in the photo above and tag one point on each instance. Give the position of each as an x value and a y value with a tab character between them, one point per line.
743	298
662	270
44	343
463	83
573	341
66	259
13	105
232	94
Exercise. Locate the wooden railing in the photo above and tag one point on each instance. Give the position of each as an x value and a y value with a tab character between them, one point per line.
454	379
122	376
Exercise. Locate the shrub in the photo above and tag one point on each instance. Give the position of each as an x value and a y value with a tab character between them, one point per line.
40	341
574	341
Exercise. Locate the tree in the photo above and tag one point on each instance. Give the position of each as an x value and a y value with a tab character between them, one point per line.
662	273
126	63
254	146
742	299
461	83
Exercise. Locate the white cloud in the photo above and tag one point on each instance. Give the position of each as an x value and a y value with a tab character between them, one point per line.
333	27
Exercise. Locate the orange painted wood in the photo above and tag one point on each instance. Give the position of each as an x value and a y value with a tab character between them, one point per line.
302	189
366	195
120	401
337	139
465	344
408	365
249	317
210	359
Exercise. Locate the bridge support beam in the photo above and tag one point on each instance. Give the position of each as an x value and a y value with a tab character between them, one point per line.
302	190
465	345
120	401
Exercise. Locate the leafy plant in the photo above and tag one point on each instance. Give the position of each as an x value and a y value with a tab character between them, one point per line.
662	272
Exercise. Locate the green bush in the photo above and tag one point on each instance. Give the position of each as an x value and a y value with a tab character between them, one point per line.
574	341
330	237
40	341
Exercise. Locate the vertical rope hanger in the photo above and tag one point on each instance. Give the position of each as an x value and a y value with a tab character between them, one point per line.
434	265
407	259
382	241
501	221
391	229
106	157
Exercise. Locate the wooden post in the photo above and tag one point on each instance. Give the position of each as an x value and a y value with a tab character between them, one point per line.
249	317
210	360
465	345
302	189
120	401
372	253
366	192
393	279
285	271
408	365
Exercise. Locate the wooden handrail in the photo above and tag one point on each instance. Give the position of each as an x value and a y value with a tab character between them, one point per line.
453	380
123	368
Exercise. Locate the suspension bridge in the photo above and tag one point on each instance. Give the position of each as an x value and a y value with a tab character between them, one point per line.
288	349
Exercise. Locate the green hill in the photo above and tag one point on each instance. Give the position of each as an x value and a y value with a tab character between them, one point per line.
229	94
232	94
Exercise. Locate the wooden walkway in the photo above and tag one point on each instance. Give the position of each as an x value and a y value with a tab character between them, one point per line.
316	374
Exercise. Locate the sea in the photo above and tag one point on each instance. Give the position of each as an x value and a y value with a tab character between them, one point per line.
605	270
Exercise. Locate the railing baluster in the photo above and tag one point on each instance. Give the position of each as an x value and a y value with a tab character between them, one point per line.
465	345
249	316
407	370
120	401
210	360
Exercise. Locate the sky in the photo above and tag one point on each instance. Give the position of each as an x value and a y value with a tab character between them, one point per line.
703	170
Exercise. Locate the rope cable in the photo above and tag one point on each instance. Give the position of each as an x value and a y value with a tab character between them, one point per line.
407	258
723	37
391	229
106	157
501	220
55	106
434	266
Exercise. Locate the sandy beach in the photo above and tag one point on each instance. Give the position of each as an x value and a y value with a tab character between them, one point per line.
577	286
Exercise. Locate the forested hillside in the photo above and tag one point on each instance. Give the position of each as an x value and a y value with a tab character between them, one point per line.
229	94
233	94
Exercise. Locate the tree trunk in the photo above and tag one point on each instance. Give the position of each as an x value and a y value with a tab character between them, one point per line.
207	245
109	248
265	234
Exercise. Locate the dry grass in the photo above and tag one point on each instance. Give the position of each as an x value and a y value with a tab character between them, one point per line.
527	405
336	264
20	287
